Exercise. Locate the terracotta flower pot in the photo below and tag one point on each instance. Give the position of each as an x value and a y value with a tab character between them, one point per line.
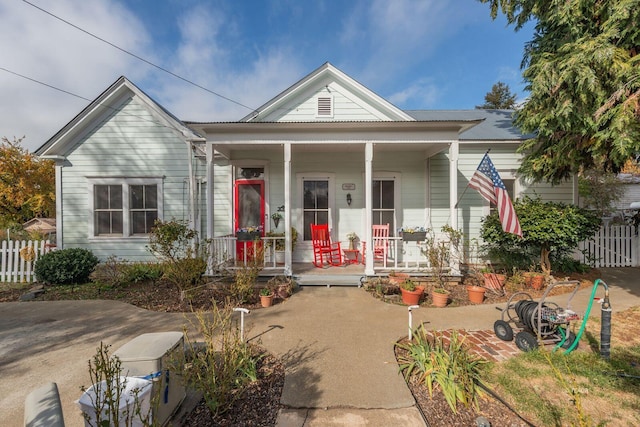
411	297
266	300
440	299
494	280
476	294
536	281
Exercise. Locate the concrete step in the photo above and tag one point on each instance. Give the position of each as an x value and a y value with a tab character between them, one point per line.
329	280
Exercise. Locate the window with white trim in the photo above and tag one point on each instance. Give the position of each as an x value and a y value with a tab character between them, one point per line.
124	207
383	211
315	204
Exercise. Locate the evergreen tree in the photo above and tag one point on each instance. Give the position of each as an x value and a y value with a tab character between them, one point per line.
500	98
582	71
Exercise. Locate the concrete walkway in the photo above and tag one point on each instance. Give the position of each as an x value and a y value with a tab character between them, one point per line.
337	344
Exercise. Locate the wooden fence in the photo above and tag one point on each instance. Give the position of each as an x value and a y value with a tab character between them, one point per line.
611	246
17	258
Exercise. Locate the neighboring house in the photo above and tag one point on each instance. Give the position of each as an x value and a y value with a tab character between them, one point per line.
45	226
125	161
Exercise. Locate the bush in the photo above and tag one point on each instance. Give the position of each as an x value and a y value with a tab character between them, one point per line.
185	273
66	266
551	229
115	272
141	272
448	365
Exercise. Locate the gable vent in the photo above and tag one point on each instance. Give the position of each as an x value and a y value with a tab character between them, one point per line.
325	106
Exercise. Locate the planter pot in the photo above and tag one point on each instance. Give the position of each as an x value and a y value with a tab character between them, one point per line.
476	294
411	297
494	280
266	300
247	236
279	255
535	281
418	236
440	299
398	278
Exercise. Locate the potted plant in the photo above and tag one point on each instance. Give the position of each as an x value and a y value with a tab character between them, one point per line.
476	294
534	279
440	296
266	297
276	217
352	236
279	243
411	293
413	234
249	234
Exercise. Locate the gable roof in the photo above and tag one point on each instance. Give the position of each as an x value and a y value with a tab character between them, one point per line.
121	90
496	125
320	78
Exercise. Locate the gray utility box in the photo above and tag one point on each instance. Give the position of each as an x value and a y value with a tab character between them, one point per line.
149	356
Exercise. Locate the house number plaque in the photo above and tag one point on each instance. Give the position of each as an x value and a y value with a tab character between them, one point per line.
348	187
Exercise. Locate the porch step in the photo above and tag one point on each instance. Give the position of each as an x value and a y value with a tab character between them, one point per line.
328	280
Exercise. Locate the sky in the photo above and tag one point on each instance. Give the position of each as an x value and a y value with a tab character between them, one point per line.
417	54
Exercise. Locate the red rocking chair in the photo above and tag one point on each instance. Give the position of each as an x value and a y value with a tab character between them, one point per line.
323	248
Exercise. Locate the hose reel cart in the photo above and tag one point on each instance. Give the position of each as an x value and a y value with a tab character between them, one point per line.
538	322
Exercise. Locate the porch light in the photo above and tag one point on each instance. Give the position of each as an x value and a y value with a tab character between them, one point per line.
349	199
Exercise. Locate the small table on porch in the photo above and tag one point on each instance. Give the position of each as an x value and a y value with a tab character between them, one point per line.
351	256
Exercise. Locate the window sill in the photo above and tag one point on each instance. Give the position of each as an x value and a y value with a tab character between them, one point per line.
119	239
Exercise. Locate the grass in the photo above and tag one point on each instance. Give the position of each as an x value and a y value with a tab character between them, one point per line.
580	388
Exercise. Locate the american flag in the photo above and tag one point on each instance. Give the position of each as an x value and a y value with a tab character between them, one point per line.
490	186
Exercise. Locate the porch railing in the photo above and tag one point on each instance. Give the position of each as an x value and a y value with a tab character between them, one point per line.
401	255
224	252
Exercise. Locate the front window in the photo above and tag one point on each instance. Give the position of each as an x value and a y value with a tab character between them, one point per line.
315	204
124	207
383	203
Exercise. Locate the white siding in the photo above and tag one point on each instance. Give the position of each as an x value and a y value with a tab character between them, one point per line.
129	143
346	107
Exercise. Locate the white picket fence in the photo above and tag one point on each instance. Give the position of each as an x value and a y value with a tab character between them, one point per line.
611	246
17	258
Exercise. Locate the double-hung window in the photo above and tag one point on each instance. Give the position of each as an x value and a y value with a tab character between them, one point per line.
124	207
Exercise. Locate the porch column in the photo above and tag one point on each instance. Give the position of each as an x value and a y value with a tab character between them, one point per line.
209	191
288	269
454	150
368	207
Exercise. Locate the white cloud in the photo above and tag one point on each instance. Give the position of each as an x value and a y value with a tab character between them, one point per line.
395	35
41	47
422	93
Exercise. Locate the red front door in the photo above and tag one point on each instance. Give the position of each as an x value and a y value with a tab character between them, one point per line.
248	212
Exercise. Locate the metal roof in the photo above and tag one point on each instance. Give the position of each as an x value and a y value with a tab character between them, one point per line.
497	125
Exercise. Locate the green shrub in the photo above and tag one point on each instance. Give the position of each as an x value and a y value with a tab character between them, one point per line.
141	272
184	273
171	240
66	266
115	272
549	228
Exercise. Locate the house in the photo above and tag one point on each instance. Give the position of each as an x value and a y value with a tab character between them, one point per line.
44	226
325	150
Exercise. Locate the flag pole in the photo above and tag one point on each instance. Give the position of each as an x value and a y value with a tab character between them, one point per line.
465	188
